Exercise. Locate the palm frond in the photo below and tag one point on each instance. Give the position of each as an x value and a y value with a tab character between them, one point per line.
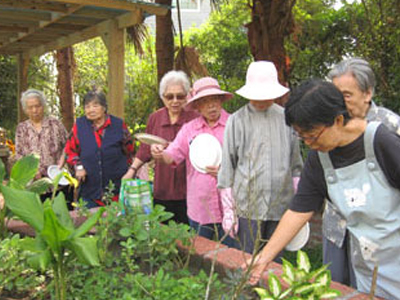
188	60
137	34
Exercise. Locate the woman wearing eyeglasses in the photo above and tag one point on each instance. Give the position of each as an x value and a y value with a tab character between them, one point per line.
169	181
356	166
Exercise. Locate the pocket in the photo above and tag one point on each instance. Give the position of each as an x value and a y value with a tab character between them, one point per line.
333	225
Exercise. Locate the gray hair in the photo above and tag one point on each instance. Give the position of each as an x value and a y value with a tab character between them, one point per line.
174	77
32	93
361	71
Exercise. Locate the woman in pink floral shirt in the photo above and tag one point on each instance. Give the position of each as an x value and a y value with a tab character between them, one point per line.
40	134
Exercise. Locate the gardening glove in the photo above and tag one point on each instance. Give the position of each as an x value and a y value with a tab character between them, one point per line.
295	181
229	219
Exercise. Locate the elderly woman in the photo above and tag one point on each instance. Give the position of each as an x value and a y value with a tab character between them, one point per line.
356	166
169	181
204	202
100	148
40	134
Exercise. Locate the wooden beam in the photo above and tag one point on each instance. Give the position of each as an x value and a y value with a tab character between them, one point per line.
25	15
125	20
121	4
114	39
23	65
4	28
37	5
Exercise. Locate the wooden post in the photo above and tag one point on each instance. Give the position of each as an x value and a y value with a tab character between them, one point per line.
114	39
23	65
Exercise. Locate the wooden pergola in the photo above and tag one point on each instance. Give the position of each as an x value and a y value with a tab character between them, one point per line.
30	28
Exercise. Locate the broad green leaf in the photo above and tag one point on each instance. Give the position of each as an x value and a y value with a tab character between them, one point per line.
40	260
285	293
303	261
25	169
288	271
85	250
40	186
320	270
301	275
88	224
53	232
61	210
274	285
330	294
16	185
2	171
125	232
25	205
324	278
262	292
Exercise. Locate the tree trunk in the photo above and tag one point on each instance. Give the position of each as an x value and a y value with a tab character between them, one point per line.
65	86
271	22
164	42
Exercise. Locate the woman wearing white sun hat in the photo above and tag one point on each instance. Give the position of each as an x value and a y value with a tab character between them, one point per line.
260	159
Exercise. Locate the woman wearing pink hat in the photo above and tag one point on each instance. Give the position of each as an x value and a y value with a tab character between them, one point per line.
203	200
260	157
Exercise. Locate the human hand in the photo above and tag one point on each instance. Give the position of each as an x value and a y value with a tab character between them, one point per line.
129	174
157	151
255	267
80	175
212	170
229	219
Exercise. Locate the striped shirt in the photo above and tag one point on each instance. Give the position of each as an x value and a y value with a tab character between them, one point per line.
260	156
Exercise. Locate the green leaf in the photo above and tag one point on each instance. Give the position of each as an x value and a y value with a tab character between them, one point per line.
40	260
40	256
125	232
88	224
288	271
2	171
285	293
53	232
303	288
303	261
61	210
40	186
25	169
330	294
25	205
263	293
85	250
274	285
324	278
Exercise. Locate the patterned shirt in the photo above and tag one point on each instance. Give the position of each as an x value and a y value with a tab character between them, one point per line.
260	156
203	201
73	148
48	143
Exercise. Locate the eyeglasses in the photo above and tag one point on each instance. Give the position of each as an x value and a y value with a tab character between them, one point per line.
311	139
170	97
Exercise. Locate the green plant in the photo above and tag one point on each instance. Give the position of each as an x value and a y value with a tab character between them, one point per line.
303	282
57	240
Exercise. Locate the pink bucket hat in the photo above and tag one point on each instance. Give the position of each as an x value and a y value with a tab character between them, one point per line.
206	86
262	82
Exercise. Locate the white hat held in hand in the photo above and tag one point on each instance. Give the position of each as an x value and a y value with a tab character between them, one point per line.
262	82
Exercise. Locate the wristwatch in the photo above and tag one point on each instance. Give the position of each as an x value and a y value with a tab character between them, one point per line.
79	168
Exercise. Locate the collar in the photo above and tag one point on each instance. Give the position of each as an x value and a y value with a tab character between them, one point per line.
166	121
107	123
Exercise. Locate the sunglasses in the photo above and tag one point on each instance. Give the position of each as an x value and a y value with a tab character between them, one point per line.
170	97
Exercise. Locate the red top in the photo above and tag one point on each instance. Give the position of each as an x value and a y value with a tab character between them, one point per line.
169	180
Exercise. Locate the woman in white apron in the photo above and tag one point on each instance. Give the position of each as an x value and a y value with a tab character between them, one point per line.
356	166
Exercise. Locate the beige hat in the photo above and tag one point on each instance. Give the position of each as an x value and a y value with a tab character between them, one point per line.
262	82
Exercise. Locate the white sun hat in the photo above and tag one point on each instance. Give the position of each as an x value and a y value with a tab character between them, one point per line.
262	82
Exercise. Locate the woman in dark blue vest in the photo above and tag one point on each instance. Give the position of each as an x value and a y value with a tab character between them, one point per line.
100	149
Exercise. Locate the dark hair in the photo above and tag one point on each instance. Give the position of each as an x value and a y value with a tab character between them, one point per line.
315	102
95	95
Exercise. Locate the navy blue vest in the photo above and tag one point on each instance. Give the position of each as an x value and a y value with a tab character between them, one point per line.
103	164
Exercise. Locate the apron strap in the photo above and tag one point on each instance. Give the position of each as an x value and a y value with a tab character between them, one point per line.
369	136
327	166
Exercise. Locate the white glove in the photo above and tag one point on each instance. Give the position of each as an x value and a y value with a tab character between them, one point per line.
229	220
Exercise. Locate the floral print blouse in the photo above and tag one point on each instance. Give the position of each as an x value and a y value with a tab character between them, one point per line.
48	143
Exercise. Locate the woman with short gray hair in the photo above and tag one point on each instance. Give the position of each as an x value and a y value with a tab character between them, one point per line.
169	182
40	134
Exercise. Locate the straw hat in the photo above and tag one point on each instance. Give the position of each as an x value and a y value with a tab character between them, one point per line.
262	82
207	86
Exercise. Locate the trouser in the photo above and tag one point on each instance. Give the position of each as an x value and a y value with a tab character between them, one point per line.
177	207
339	260
255	234
212	231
